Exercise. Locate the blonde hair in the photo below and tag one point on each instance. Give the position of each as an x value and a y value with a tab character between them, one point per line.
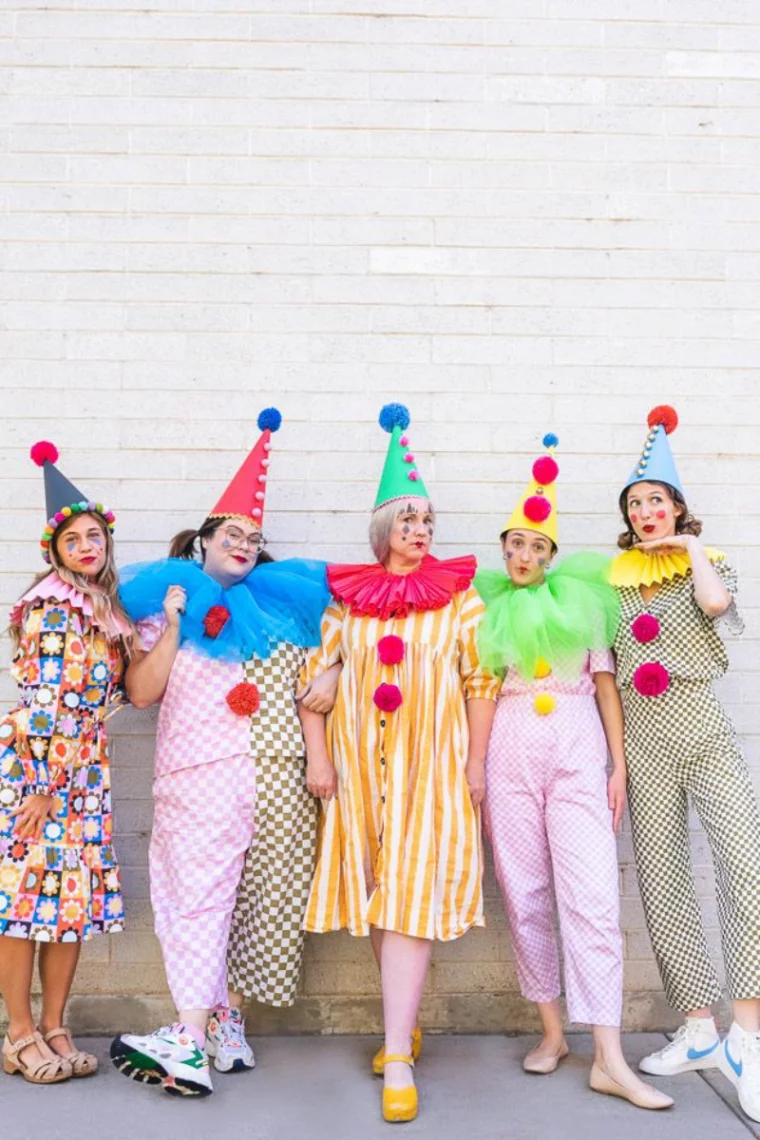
103	591
381	525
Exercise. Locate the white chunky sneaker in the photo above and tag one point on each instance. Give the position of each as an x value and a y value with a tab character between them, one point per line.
740	1062
226	1043
696	1045
169	1057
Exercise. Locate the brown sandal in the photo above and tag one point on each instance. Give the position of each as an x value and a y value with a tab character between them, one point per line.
46	1071
82	1064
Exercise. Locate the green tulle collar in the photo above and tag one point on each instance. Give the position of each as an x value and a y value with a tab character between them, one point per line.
573	611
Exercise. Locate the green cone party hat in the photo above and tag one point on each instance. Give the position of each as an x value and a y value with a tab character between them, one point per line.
400	477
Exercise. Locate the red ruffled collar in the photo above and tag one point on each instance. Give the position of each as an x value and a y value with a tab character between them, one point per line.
372	591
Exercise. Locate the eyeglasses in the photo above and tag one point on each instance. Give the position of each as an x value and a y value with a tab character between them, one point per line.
254	543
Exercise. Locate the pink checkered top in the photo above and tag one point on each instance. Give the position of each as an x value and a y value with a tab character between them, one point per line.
601	661
195	724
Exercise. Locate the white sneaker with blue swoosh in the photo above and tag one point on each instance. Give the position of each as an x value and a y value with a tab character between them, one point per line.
696	1045
740	1062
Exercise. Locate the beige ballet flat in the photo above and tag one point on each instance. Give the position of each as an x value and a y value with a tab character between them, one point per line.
545	1065
602	1082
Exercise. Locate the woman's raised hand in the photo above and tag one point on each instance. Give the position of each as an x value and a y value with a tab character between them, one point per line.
174	605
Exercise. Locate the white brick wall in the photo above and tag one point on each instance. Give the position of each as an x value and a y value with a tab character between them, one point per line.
516	216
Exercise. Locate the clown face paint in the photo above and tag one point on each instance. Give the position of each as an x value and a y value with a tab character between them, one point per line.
526	554
82	547
230	552
651	511
411	535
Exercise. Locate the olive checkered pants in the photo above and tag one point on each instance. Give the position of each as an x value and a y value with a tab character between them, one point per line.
680	746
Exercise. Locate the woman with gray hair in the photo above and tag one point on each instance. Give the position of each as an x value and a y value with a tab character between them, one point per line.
399	855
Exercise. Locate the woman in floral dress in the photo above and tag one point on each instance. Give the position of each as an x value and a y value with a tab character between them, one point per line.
59	880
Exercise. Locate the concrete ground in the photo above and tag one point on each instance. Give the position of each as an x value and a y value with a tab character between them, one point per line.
319	1088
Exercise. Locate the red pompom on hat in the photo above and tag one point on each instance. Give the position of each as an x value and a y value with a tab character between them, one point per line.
537	509
43	452
215	620
545	470
665	415
244	699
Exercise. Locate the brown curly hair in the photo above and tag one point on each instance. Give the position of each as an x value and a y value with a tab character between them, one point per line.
685	521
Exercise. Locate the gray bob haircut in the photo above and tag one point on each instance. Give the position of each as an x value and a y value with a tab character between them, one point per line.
381	525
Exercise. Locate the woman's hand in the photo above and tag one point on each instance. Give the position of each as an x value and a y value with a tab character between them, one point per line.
32	816
321	778
319	696
174	605
671	542
616	796
475	774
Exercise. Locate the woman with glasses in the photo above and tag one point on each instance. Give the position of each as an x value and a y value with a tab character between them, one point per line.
224	631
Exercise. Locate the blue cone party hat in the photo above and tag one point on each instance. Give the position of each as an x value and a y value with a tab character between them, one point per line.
656	463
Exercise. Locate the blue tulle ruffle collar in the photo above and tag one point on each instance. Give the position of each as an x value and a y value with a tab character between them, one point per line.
276	602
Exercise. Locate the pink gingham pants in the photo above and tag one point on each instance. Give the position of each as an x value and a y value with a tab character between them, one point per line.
547	818
202	827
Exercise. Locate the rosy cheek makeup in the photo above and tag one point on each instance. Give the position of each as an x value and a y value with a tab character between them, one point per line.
634	518
661	514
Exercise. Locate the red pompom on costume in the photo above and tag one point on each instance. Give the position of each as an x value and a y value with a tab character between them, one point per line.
651	679
537	509
215	620
43	451
244	699
645	628
388	698
665	415
390	649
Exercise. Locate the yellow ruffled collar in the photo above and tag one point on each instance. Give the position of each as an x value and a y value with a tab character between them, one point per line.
637	568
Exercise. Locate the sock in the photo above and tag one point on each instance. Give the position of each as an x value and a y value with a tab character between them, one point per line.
198	1034
706	1024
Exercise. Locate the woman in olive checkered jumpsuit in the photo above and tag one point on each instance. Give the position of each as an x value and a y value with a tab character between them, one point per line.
681	746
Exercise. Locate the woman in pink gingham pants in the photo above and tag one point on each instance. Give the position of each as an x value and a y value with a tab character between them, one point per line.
550	809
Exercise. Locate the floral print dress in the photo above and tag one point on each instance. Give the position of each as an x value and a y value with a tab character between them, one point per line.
64	886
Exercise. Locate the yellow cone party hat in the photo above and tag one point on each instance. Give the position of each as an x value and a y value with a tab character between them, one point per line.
537	509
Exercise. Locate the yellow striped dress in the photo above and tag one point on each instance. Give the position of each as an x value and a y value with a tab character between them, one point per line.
400	847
